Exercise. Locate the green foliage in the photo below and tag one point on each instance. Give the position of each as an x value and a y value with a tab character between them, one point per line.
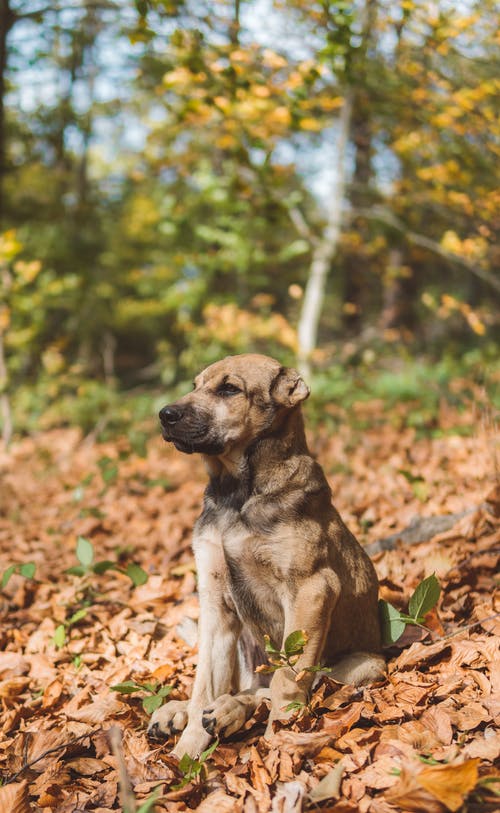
293	648
85	555
155	696
423	600
26	569
128	267
62	632
194	769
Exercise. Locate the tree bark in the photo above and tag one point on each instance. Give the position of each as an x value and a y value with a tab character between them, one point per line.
7	19
326	248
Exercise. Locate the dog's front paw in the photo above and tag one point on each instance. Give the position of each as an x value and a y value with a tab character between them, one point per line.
226	715
193	741
169	719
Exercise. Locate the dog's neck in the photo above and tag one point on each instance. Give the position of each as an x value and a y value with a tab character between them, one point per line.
252	465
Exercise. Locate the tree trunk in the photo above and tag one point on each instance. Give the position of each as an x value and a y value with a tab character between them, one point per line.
7	19
326	247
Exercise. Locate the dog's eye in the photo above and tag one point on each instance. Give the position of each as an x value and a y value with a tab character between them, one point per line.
228	389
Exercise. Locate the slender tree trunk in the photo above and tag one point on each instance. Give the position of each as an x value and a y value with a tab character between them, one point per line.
326	248
7	19
5	409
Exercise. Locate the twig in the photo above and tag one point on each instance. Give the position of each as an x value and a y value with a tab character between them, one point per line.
46	753
385	216
464	629
419	530
127	797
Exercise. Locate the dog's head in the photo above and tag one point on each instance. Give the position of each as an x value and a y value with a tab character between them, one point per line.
234	401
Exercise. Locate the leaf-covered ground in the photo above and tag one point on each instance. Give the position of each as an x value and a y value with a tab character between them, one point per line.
425	740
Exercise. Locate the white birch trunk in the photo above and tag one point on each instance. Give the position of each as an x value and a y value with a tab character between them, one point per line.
326	247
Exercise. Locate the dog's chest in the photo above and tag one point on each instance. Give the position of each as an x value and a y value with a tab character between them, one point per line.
253	582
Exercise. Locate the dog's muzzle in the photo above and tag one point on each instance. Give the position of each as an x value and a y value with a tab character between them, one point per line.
188	431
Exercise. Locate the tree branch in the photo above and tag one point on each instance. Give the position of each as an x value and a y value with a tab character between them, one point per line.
384	216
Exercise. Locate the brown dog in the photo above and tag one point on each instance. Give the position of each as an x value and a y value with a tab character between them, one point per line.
272	553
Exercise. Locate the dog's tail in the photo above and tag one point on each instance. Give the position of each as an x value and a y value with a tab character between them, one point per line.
359	668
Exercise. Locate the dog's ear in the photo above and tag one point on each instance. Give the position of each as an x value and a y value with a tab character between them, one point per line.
289	388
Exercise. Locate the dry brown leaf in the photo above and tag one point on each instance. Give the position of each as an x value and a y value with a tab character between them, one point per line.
13	687
485	747
336	723
220	802
288	798
470	716
450	783
14	798
100	709
409	795
329	786
437	720
87	766
300	744
51	694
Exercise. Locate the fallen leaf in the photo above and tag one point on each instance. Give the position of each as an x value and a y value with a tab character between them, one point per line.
14	798
450	783
329	786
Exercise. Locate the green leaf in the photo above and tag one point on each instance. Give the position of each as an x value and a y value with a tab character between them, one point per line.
84	552
424	598
269	647
102	567
205	754
165	691
391	624
127	687
295	643
77	616
151	687
136	574
295	704
7	574
27	570
76	570
151	703
59	638
149	803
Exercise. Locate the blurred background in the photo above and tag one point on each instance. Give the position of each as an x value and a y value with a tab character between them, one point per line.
317	181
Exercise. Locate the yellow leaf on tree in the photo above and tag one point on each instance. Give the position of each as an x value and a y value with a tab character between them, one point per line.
450	783
313	125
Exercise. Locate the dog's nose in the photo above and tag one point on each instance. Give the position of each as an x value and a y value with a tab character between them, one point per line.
170	414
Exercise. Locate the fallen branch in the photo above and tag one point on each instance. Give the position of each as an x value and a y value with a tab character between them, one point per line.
53	750
420	529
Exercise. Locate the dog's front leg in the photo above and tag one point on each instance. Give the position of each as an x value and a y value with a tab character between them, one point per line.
218	632
309	609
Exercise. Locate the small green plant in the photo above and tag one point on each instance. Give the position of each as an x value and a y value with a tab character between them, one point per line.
155	696
194	768
26	569
293	648
394	622
88	565
288	656
61	635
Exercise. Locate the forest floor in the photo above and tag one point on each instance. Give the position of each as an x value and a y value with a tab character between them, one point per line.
424	740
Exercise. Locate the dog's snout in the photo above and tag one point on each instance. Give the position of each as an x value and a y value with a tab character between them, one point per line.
170	415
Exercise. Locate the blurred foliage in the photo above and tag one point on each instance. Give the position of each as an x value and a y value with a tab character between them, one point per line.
164	173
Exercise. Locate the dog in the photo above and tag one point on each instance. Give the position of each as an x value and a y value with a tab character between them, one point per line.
272	554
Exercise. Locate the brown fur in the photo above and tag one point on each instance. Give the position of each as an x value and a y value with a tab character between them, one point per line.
272	553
